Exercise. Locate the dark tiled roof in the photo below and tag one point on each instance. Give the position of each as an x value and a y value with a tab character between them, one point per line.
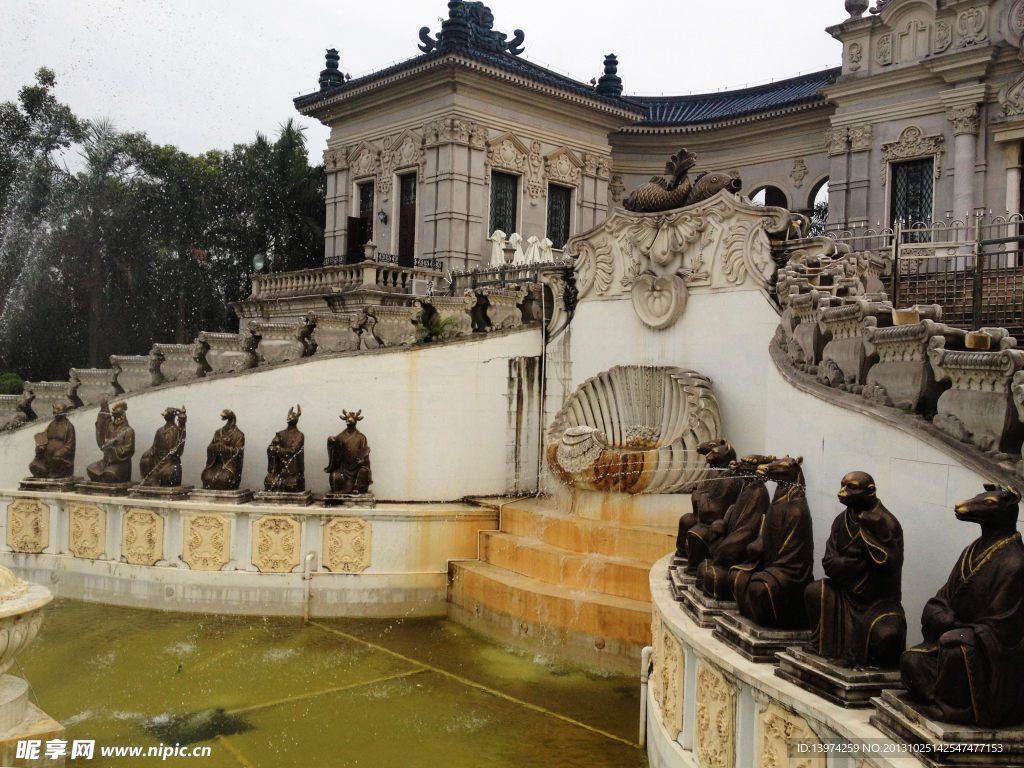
504	61
727	105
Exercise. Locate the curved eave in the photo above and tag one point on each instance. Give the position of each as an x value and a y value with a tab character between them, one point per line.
655	128
456	61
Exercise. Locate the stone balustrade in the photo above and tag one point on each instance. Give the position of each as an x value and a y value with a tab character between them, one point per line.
181	362
335	333
844	359
136	372
396	326
46	394
95	384
458	307
307	282
808	337
14	411
229	352
282	342
499	308
979	406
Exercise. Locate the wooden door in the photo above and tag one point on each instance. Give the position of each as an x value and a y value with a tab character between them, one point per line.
407	221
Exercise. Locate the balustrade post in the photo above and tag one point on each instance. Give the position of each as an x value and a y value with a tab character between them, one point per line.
978	270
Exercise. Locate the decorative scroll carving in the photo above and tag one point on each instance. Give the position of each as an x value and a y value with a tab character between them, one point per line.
965	119
535	184
715	731
777	728
883	49
862	137
1012	96
855	55
207	541
400	152
336	159
142	537
454	131
365	161
799	172
507	153
971	24
275	544
673	668
837	141
87	531
912	143
564	167
28	526
943	36
347	545
599	166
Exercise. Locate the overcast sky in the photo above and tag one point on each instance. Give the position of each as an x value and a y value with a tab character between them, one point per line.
205	74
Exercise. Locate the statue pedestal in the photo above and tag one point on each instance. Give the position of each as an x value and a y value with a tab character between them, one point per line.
350	500
677	562
284	498
20	720
846	686
241	496
104	489
757	644
896	717
49	485
160	492
679	581
703	609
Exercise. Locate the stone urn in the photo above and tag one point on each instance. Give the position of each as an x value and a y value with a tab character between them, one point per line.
21	616
856	8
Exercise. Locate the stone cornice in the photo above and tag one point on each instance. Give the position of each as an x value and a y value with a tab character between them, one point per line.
705	127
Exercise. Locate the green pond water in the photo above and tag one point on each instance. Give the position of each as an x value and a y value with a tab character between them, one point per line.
339	692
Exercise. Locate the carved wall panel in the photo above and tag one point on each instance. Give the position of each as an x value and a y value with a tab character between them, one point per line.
563	166
855	55
28	526
142	537
799	172
672	674
913	41
275	544
617	187
87	532
943	36
911	144
508	153
837	141
883	49
336	159
777	727
862	137
207	541
972	26
454	131
401	152
365	161
347	545
715	721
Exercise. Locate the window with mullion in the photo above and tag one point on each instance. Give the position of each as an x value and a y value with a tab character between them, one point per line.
504	202
559	202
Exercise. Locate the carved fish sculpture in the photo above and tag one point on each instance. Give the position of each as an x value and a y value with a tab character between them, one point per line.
676	191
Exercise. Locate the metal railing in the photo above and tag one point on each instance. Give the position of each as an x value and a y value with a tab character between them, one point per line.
504	275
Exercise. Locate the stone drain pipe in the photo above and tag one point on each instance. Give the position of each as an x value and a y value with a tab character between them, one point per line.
307	585
645	668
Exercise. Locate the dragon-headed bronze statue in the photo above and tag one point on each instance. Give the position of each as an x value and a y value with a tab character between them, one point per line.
676	191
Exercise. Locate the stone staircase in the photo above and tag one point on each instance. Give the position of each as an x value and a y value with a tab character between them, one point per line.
565	581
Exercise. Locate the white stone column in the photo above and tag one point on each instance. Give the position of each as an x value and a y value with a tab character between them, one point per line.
966	122
1013	170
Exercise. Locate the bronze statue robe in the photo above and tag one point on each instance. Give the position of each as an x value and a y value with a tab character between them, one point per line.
348	462
711	500
742	523
117	441
55	451
856	612
161	464
286	462
971	663
770	588
224	457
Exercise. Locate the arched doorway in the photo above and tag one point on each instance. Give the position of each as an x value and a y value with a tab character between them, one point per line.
769	195
818	203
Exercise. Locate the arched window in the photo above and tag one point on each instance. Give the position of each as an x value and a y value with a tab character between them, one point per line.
769	195
818	200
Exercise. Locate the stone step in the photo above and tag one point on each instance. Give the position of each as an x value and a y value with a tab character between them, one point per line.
643	543
582	626
554	565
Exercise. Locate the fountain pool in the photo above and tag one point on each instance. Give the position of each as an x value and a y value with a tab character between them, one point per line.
338	692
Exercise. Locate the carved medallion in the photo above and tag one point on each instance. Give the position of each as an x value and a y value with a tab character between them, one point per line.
207	540
87	532
28	526
883	49
275	544
943	36
715	731
855	56
971	25
673	668
347	545
142	537
777	729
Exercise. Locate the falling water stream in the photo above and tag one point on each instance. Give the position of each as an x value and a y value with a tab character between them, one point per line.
338	692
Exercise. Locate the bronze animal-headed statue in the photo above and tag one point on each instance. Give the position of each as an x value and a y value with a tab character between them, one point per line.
55	448
224	456
160	466
970	666
116	439
348	458
676	191
769	587
712	497
856	613
286	464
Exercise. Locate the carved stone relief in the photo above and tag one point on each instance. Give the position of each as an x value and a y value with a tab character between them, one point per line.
965	119
400	152
617	187
943	36
912	143
275	544
207	541
855	55
715	719
599	166
1012	97
347	545
883	49
536	187
28	526
87	532
366	161
563	167
142	537
454	131
336	159
1015	22
862	137
837	141
912	42
777	728
672	674
972	26
799	172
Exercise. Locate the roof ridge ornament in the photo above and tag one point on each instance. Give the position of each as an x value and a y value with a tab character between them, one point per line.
331	76
471	25
610	83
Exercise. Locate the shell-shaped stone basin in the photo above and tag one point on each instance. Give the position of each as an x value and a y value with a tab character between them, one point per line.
21	615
